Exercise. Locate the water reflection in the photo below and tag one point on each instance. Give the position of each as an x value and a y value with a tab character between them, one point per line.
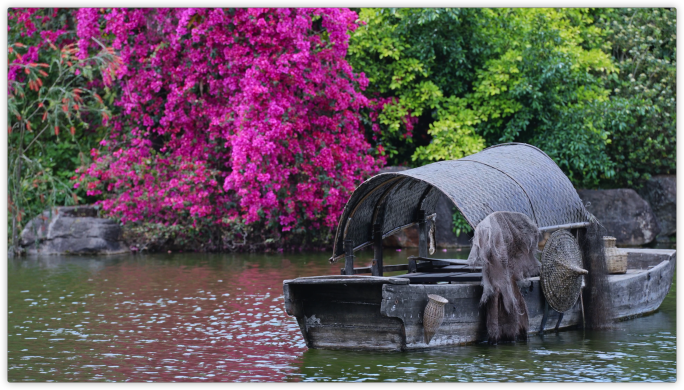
189	317
157	318
621	354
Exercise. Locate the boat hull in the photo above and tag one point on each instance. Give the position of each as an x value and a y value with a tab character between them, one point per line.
343	314
381	313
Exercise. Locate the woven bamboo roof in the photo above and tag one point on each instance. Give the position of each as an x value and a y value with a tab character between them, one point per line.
507	177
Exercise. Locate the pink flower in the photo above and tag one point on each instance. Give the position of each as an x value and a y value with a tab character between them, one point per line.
253	99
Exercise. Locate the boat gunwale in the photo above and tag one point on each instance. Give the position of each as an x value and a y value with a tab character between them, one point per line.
336	279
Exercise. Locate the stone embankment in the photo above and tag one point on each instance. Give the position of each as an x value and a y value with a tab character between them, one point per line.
661	193
637	218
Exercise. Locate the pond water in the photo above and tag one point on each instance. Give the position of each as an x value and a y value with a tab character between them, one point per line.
211	317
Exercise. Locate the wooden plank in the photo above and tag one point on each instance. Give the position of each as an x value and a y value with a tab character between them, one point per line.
412	266
642	258
349	258
549	229
420	267
373	268
396	267
345	316
422	235
450	261
461	268
387	268
462	319
437	264
641	292
445	268
377	249
344	279
417	278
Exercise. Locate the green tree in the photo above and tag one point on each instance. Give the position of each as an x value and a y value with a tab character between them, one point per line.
641	114
478	77
421	58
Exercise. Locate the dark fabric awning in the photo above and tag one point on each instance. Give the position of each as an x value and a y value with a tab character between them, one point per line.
507	177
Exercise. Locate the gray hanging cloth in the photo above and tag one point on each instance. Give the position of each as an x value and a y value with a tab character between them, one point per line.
504	245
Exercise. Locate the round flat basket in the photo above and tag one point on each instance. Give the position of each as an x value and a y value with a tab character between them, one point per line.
561	271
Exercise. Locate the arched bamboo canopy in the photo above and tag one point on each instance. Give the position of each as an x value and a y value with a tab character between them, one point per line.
507	177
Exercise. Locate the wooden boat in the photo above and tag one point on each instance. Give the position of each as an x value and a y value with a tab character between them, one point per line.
376	312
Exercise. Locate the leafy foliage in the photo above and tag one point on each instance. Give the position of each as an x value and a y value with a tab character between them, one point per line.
56	112
641	116
488	76
460	224
231	116
544	87
417	59
208	126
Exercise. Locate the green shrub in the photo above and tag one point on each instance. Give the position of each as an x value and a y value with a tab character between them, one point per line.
460	224
57	111
641	116
477	77
421	58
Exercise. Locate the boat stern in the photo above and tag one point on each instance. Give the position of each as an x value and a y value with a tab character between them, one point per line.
343	312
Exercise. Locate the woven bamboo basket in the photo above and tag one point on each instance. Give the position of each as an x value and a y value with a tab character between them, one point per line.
616	258
561	271
433	316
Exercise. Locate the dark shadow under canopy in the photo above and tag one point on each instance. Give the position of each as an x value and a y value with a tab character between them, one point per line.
507	177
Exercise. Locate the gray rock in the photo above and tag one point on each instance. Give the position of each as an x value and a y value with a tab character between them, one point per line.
72	230
625	215
36	228
661	194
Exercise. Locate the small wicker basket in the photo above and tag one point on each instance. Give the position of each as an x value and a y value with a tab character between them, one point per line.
616	258
433	316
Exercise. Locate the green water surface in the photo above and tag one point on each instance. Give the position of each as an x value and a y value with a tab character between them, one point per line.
201	317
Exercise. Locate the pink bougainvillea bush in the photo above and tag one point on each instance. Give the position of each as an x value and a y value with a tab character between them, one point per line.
230	117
